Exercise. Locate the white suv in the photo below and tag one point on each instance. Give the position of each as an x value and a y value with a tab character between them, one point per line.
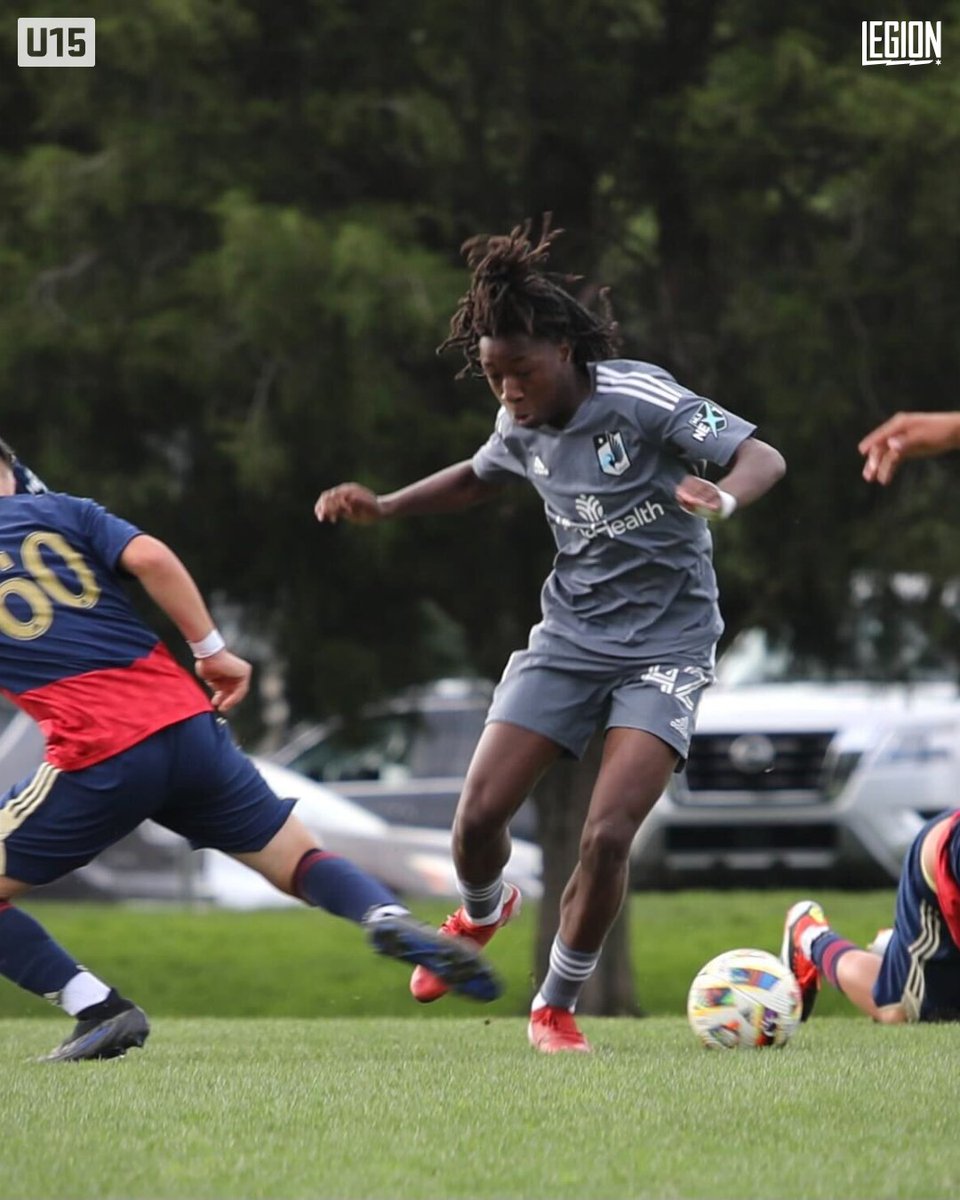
793	778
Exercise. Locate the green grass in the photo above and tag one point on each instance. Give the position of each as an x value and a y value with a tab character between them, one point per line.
298	963
344	1087
464	1108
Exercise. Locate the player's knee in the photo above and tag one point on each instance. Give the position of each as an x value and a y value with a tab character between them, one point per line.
474	828
483	813
605	844
891	1014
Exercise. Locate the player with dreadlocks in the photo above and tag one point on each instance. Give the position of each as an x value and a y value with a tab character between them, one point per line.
630	615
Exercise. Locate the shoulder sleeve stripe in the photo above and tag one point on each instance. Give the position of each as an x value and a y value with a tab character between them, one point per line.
668	388
638	393
663	386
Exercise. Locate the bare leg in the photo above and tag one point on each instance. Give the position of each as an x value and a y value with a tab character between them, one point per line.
506	764
857	972
634	771
293	862
278	859
11	888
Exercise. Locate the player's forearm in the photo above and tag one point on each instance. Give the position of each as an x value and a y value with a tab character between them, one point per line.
756	468
169	585
450	490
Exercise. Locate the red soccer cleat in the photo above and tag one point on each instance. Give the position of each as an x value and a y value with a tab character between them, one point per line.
804	916
424	985
553	1031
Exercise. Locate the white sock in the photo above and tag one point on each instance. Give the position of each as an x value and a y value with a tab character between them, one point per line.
809	936
81	991
385	910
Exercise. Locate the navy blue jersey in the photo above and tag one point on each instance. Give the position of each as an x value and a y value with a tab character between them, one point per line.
73	652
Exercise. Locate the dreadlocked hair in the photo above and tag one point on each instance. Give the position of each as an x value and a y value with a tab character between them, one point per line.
510	293
7	456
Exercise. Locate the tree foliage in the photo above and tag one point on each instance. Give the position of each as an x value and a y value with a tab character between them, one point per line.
230	248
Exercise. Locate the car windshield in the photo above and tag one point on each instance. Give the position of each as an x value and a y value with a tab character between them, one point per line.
903	628
394	746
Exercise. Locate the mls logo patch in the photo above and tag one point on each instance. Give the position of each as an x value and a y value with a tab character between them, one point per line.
707	421
611	453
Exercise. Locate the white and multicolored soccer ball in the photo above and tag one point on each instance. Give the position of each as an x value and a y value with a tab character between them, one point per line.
744	999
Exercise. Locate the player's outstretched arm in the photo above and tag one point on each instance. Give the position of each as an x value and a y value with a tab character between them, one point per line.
907	435
754	469
172	588
450	490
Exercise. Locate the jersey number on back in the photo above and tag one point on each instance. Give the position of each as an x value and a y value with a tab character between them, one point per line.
34	615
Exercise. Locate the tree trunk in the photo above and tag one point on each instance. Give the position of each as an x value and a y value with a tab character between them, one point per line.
562	798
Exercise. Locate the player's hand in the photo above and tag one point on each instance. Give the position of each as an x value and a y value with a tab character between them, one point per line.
227	676
700	497
348	502
907	435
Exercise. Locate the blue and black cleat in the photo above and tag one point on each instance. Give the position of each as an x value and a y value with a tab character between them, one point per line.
110	1037
455	961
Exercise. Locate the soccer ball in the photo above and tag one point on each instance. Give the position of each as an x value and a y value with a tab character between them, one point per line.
744	998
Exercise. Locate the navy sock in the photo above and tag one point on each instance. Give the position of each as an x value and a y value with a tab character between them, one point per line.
30	957
826	951
338	885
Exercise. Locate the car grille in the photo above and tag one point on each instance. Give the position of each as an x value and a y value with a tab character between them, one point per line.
778	766
766	838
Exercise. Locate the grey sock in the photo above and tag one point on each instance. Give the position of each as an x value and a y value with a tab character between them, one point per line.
482	901
569	971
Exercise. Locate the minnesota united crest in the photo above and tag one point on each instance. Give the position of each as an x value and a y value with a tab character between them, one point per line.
611	453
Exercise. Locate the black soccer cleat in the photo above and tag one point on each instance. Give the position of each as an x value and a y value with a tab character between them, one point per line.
110	1037
455	961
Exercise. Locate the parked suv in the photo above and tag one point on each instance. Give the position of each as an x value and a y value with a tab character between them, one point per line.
804	778
404	759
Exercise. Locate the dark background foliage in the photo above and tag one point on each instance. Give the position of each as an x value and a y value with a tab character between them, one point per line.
229	250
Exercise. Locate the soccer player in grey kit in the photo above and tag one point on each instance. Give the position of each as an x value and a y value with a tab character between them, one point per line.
630	617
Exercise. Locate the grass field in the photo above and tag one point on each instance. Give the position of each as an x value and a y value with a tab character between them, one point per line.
298	963
388	1108
448	1100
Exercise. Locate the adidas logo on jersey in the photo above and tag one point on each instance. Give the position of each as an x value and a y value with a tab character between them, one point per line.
681	725
539	466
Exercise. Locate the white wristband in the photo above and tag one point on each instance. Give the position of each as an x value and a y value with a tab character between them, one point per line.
728	504
212	644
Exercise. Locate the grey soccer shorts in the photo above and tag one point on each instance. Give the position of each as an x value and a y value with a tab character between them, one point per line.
567	698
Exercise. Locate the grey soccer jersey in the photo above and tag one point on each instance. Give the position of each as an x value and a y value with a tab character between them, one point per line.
633	574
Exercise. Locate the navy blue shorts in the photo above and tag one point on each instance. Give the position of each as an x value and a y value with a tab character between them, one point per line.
921	965
190	778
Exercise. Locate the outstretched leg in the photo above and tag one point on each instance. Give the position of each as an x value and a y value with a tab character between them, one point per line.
293	862
913	975
814	951
107	1023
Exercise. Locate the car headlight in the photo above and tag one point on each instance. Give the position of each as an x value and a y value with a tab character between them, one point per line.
838	766
844	755
921	745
